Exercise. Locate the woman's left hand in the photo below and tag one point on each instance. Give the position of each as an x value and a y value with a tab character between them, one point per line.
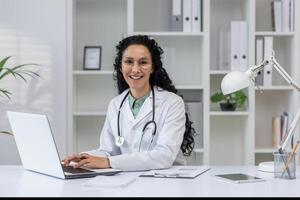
93	162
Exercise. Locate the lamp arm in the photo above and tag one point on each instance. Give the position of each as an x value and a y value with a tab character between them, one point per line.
289	134
256	68
283	73
272	61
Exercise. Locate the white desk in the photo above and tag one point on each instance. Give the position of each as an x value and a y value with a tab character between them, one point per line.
15	181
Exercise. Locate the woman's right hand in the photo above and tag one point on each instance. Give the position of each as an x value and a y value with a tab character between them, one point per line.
75	158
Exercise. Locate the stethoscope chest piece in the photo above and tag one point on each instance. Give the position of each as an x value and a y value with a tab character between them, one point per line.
120	141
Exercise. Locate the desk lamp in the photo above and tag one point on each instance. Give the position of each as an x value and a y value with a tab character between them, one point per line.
237	80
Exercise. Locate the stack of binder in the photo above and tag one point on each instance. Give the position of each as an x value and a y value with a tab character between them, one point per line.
187	15
264	47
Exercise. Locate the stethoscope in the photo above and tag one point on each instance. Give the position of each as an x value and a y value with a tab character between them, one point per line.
120	139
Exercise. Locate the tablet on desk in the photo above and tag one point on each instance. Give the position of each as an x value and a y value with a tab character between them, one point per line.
239	178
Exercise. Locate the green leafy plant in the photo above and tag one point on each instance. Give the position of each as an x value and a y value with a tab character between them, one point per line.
238	98
18	71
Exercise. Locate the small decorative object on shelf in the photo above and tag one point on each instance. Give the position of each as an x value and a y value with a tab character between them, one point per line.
92	58
229	102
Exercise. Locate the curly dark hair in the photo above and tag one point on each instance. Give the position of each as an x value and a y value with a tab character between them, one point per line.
159	77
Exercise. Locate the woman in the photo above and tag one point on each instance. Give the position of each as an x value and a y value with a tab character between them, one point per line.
146	124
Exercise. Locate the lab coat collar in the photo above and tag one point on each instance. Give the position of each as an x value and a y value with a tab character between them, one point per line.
146	108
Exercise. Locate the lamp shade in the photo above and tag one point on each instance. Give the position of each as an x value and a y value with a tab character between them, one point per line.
234	81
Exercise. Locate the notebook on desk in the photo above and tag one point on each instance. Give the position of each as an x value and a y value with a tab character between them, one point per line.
177	172
38	150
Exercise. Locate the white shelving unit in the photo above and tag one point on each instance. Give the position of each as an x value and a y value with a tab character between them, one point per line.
241	137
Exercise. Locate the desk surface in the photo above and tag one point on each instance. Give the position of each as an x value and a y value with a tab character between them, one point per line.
15	181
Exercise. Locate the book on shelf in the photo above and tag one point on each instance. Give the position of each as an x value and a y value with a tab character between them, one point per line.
279	128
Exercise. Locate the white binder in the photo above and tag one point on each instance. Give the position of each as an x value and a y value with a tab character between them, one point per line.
235	46
243	49
196	15
268	47
187	15
259	56
285	15
277	15
176	15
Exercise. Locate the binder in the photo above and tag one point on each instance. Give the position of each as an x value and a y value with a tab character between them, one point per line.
234	43
268	47
243	46
187	15
259	56
176	15
277	15
196	16
292	15
285	15
239	55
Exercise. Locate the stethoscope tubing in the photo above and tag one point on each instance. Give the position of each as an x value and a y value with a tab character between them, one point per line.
120	139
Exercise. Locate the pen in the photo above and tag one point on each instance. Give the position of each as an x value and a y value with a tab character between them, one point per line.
290	157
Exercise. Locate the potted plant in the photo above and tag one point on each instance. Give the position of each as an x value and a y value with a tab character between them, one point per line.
231	101
18	71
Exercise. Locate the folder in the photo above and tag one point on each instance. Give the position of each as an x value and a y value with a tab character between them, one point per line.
196	15
259	56
268	47
176	15
187	15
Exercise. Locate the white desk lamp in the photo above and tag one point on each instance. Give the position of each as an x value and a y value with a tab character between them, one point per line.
236	80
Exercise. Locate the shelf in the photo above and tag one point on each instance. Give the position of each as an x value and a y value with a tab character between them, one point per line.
219	72
199	150
269	33
265	150
228	113
81	72
89	113
170	33
189	87
282	87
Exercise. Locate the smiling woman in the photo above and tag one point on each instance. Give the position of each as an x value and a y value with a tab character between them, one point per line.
146	125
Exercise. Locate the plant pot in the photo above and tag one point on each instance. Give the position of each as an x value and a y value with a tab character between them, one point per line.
228	106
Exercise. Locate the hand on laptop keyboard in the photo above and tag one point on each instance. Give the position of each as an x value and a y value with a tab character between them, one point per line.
73	170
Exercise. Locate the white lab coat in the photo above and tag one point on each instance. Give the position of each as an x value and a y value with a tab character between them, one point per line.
135	154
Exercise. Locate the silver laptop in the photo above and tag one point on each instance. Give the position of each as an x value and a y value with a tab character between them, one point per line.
38	150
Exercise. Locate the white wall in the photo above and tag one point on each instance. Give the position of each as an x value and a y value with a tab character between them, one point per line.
34	31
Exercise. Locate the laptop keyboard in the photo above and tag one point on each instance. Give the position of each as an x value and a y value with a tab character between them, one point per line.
73	170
